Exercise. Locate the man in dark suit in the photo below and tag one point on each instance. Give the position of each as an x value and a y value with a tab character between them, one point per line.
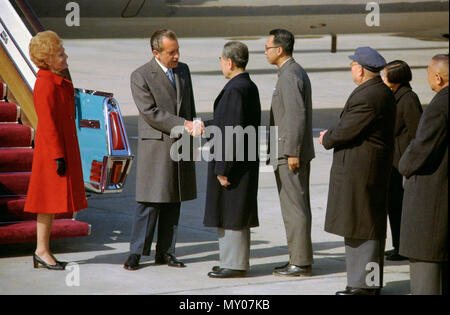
162	91
362	161
424	226
231	196
291	113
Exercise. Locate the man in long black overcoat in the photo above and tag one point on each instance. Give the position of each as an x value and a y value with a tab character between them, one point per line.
362	161
424	226
231	196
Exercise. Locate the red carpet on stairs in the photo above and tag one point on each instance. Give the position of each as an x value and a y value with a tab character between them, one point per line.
16	158
26	231
15	135
8	112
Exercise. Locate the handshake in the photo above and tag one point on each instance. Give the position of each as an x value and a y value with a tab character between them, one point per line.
195	128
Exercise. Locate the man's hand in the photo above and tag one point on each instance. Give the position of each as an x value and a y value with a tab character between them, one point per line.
60	166
322	133
223	180
199	128
195	128
293	162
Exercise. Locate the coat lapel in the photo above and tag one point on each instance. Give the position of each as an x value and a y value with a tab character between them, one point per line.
180	83
159	76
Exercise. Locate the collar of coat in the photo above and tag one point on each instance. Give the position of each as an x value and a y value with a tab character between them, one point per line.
57	79
289	61
242	75
402	90
443	91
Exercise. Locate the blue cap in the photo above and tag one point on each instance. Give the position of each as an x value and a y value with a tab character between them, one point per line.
369	59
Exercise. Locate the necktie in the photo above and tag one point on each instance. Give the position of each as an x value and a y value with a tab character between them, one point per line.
170	75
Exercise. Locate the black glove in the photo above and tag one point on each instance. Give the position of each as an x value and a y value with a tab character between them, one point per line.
61	166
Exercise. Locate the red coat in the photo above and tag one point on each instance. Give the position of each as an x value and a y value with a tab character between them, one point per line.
56	137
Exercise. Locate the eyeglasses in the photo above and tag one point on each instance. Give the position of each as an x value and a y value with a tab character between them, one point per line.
267	48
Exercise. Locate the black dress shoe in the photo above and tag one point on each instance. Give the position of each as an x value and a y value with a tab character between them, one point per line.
390	252
294	271
170	260
396	257
358	291
132	262
39	261
226	273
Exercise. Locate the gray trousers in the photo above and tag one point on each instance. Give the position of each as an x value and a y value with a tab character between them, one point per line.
293	189
428	278
234	248
144	224
365	263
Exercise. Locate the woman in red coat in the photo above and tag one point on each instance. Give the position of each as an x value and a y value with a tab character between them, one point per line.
56	183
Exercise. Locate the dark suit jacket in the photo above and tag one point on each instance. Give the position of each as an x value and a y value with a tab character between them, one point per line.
362	162
424	225
407	118
234	207
161	107
291	112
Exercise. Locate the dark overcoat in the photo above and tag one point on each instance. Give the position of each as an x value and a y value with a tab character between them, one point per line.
362	163
163	110
407	118
424	225
234	207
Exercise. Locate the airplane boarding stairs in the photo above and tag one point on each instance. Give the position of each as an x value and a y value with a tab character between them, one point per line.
105	152
16	156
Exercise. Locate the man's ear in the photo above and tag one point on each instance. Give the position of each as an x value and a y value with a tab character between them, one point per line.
279	51
361	71
438	79
230	63
155	52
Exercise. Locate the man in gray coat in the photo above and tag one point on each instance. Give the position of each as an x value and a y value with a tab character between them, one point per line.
362	163
291	113
162	91
424	226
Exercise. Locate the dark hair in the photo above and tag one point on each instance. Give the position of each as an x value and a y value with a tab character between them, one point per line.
237	52
398	71
157	37
284	39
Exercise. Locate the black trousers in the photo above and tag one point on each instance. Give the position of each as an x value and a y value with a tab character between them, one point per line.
144	224
395	199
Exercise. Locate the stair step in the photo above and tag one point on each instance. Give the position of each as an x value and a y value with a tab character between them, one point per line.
9	112
14	183
16	159
15	135
11	209
26	231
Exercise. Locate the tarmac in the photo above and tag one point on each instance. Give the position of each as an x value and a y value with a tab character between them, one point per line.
97	260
